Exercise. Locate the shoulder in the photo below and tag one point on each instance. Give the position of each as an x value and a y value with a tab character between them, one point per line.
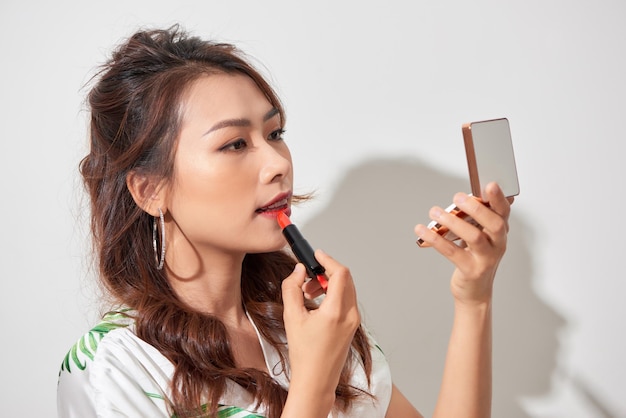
110	368
82	354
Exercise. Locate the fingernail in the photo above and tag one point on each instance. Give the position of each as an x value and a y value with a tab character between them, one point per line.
420	229
435	213
459	198
298	268
494	187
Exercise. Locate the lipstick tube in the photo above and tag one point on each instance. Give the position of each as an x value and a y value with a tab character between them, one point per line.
302	249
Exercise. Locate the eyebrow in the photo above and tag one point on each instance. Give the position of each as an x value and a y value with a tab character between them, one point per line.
240	122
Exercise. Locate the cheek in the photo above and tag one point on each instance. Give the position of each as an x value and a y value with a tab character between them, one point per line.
208	187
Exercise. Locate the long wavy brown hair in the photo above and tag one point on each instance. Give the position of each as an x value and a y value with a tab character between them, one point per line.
135	121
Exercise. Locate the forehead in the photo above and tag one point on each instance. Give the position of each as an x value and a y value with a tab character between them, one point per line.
215	97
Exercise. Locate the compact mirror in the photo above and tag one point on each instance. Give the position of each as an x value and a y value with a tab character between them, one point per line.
489	151
490	157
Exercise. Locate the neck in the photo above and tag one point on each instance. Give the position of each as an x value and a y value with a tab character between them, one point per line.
208	281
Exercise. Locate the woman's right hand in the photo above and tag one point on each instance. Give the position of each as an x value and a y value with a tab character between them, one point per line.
319	340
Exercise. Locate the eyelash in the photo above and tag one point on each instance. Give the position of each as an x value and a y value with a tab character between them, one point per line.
277	135
236	145
241	143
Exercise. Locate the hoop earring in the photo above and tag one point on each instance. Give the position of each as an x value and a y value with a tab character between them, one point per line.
159	260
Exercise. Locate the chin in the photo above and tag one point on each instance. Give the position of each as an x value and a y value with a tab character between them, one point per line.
278	247
268	248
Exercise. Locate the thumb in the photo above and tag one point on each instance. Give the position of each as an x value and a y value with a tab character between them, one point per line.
293	298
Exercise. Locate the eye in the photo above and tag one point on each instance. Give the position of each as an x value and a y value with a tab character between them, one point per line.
236	145
276	135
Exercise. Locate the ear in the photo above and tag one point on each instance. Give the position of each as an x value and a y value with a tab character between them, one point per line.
147	192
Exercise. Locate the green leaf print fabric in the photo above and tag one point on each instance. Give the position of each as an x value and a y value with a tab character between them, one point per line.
110	372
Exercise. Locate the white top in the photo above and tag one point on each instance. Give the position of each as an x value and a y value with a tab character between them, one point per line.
110	372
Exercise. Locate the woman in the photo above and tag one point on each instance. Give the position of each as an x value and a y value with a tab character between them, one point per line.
186	173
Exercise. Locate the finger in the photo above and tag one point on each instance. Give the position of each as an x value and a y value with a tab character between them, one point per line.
333	268
293	298
459	221
497	201
329	263
494	226
445	247
312	289
340	284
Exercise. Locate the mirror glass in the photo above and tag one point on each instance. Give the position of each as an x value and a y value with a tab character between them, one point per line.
493	156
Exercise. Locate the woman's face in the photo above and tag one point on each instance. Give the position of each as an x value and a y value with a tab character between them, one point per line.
232	170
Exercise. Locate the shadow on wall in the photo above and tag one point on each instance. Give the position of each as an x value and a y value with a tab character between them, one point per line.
404	290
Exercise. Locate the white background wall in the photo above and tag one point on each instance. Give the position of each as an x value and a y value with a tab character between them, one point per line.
375	94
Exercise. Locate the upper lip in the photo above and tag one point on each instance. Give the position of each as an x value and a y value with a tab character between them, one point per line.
279	200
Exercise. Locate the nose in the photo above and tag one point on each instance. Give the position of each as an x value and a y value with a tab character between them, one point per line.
276	163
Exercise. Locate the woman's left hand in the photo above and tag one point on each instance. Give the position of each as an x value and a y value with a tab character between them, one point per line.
481	250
